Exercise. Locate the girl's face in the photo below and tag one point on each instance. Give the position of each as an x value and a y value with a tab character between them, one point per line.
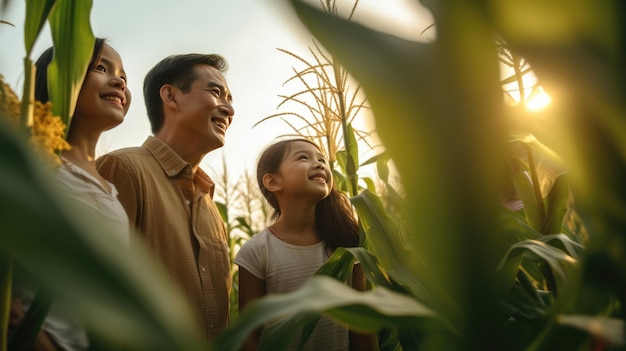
304	171
104	98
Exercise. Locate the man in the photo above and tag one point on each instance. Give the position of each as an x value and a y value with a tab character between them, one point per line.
166	195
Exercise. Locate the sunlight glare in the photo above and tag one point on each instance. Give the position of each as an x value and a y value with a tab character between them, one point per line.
538	101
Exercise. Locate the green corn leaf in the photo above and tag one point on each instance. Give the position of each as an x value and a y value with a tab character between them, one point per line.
73	42
549	156
610	330
524	187
373	159
6	282
376	274
129	301
382	166
388	244
338	266
445	141
340	179
223	210
37	12
342	160
341	263
365	311
561	265
369	183
353	151
556	205
518	302
279	335
26	332
564	243
513	228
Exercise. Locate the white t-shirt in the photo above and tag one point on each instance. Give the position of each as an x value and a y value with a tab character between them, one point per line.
77	185
284	268
81	187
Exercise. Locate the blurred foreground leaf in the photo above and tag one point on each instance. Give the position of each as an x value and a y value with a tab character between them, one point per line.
371	310
128	302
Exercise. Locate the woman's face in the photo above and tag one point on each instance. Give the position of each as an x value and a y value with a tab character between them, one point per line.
104	98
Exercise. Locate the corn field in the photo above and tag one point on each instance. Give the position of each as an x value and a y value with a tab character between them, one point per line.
488	226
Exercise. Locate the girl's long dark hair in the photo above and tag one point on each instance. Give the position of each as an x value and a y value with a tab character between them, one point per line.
334	218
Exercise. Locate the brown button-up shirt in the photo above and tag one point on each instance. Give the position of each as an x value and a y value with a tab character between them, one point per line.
172	209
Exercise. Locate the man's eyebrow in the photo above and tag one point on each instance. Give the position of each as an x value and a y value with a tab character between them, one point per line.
213	83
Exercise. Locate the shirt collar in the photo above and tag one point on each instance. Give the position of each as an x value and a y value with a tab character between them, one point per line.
172	164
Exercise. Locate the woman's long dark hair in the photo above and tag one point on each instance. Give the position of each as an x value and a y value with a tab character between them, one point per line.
41	73
334	218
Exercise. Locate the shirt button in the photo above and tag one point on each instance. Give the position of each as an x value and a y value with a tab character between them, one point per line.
187	202
204	270
211	326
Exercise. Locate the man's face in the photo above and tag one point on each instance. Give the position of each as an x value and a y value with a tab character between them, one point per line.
205	111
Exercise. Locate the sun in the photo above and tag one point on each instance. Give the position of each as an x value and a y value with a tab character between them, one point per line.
538	101
534	97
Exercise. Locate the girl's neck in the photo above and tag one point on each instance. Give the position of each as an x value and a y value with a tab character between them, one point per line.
83	149
80	157
300	233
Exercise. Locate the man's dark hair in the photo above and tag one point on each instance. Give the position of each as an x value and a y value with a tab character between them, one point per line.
177	70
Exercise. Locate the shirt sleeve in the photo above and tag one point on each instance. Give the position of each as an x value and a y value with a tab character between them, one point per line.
114	169
252	256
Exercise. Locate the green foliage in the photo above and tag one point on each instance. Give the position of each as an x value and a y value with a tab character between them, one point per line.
244	212
457	271
68	250
6	281
26	332
330	106
71	252
495	278
37	13
73	42
364	311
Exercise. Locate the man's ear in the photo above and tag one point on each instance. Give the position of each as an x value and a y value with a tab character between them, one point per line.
271	182
168	95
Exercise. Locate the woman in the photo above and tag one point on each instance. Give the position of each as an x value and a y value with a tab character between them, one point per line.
102	103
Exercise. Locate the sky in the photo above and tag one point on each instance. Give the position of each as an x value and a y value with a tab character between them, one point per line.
246	32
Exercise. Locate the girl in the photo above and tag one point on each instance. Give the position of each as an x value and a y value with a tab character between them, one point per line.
312	219
102	103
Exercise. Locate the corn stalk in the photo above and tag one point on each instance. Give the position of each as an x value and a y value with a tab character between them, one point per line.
331	108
